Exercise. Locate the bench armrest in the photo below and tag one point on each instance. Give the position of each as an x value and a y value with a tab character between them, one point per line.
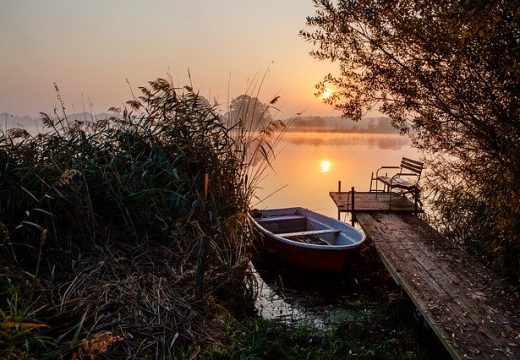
407	174
386	167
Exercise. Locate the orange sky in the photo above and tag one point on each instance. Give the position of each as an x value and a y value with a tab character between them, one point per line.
91	47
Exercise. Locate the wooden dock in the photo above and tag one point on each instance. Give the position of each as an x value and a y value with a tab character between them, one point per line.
369	202
372	202
470	310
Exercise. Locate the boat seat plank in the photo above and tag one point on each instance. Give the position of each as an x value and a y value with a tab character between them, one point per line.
280	218
309	232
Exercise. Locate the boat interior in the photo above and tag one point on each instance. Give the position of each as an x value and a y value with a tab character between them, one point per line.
296	227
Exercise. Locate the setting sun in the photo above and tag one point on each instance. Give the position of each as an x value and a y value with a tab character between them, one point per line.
325	166
327	93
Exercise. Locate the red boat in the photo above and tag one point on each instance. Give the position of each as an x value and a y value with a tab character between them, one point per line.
307	240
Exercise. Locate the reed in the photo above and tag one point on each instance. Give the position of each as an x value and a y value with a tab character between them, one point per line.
134	226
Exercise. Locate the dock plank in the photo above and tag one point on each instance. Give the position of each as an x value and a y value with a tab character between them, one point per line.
465	305
372	202
442	304
425	290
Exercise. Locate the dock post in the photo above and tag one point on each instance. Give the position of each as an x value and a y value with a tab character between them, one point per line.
416	200
353	218
339	190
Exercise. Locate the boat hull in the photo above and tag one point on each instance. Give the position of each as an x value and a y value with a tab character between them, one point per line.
309	257
312	260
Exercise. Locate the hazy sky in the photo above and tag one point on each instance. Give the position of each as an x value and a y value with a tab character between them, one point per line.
91	47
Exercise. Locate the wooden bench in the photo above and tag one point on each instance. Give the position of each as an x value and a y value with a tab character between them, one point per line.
405	179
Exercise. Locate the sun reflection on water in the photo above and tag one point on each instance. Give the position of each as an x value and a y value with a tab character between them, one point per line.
325	166
301	176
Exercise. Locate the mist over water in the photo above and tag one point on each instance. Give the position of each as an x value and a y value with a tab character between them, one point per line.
34	125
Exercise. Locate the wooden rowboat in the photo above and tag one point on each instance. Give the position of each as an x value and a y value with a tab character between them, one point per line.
307	240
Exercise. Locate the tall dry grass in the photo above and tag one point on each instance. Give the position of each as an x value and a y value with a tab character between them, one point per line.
132	230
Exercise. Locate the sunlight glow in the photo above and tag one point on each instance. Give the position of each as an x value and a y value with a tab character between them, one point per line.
327	93
325	166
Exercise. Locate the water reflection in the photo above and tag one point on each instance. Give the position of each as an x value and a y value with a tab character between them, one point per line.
325	166
272	305
295	298
300	177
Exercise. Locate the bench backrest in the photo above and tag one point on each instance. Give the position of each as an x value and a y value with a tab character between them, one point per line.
412	166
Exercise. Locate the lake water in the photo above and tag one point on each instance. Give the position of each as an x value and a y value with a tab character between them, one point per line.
309	165
367	300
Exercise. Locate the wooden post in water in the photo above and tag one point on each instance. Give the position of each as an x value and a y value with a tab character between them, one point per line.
339	190
416	200
353	219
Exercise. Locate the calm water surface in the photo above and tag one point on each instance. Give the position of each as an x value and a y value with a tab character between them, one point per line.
309	165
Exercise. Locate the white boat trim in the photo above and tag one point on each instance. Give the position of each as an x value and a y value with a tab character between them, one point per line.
309	232
350	232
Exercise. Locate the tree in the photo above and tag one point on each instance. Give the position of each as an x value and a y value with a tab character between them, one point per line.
448	74
250	111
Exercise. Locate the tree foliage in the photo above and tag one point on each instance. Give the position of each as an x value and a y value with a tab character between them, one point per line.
447	73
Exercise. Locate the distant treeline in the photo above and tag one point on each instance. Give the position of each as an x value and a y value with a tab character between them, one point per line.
337	123
300	123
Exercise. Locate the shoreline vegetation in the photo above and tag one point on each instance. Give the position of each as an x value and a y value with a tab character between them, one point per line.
127	237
